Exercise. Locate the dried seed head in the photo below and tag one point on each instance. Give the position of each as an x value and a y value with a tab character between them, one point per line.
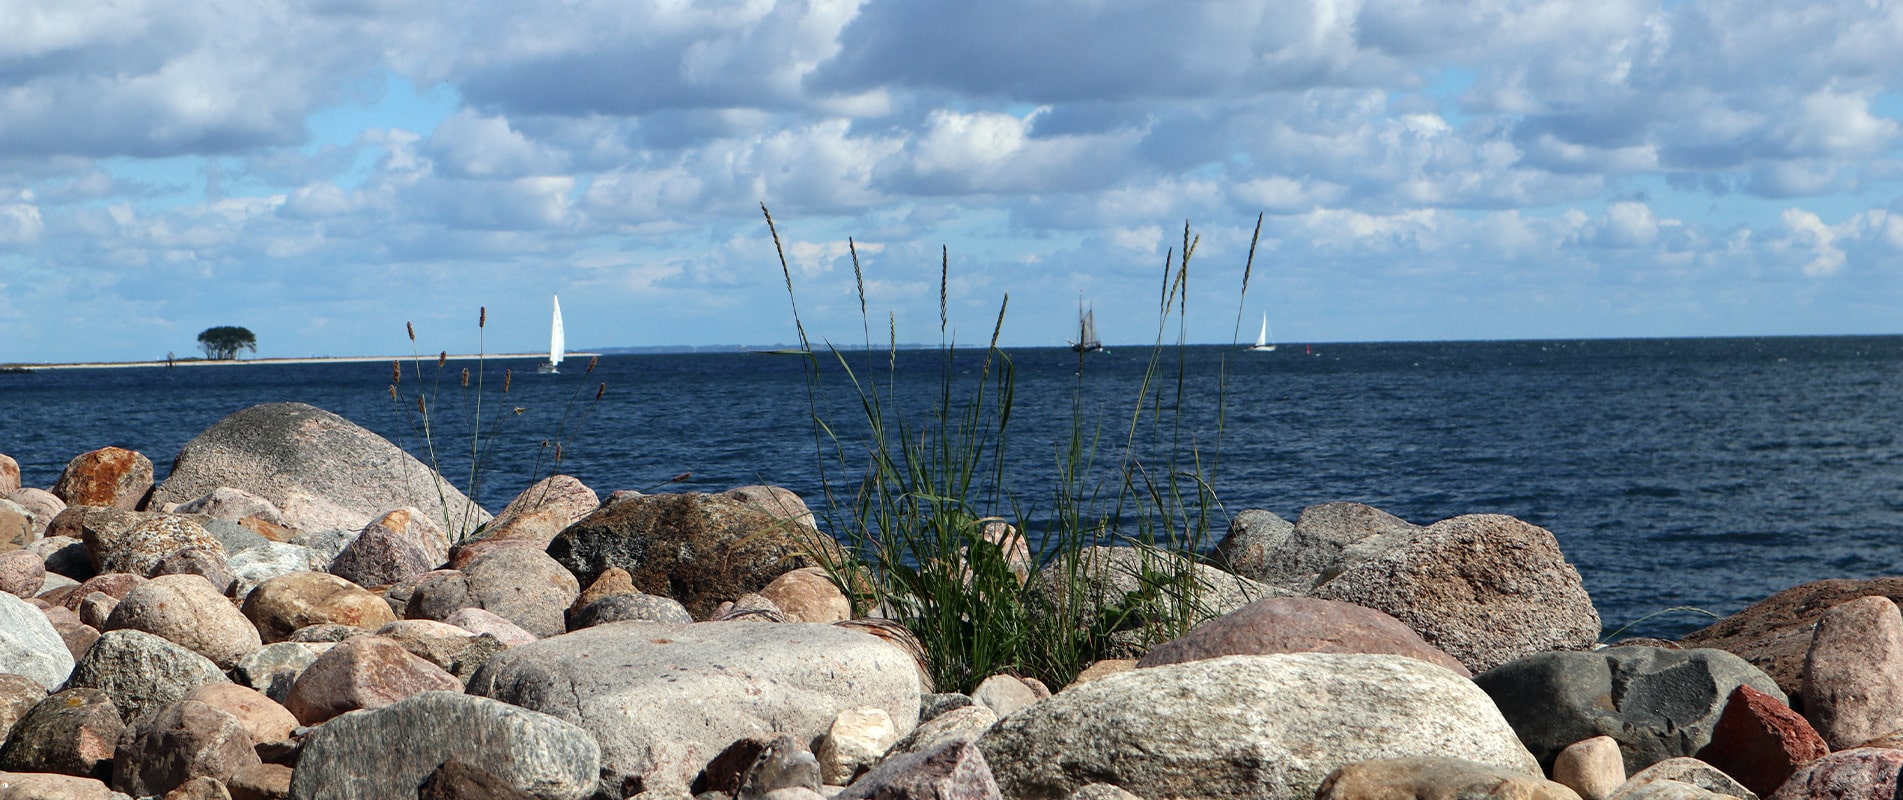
392	391
412	329
558	452
601	390
482	317
506	375
419	405
442	358
465	377
681	477
396	373
591	364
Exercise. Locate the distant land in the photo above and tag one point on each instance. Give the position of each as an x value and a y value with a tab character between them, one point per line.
776	348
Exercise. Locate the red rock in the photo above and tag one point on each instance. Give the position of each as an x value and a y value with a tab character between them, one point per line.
1760	741
1866	774
1853	672
362	672
1300	625
1774	634
110	476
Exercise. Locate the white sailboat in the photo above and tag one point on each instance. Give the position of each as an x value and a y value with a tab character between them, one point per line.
556	342
1262	339
1086	331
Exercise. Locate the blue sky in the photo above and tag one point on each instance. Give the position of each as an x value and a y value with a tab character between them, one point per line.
323	171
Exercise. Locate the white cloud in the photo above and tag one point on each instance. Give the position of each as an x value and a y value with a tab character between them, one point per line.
1809	233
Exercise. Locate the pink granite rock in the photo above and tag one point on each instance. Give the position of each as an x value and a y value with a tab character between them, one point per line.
263	718
186	610
1300	625
185	740
479	621
22	573
807	595
9	474
1853	673
110	476
362	672
41	504
1863	774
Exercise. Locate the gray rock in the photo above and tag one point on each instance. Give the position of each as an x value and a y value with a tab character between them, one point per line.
231	504
142	673
29	645
933	704
664	699
629	608
391	751
184	740
380	557
1268	727
18	695
71	733
18	526
327	542
186	610
319	469
953	770
232	535
1436	777
205	562
963	724
784	763
66	556
1691	771
1486	589
1315	543
1851	692
522	585
1006	694
1253	536
1299	625
138	549
1658	703
273	668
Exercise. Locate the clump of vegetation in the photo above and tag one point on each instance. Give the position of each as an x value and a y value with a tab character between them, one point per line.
222	343
937	541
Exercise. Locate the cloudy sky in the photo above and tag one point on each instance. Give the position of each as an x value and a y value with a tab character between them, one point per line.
322	171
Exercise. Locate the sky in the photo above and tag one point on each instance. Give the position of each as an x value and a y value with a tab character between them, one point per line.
322	172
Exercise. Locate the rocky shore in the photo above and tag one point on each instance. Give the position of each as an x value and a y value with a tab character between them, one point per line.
302	610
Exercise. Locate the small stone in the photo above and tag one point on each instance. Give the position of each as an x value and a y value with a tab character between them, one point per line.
263	718
952	771
261	782
479	621
1761	741
96	608
807	594
1688	771
9	474
625	607
856	741
22	573
200	788
201	561
421	529
1005	694
932	705
1591	767
18	527
380	557
967	724
275	667
18	695
1435	777
614	581
785	763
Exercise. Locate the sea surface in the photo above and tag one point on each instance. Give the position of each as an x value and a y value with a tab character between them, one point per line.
1708	473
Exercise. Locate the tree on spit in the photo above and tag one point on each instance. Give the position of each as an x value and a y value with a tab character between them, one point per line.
223	342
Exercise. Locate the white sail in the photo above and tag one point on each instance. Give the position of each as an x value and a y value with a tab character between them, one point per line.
556	342
1262	339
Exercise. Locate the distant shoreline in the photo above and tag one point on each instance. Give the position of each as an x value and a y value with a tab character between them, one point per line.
269	361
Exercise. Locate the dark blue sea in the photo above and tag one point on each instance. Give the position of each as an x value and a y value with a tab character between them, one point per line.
1678	472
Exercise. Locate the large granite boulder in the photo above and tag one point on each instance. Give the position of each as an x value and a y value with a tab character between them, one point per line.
522	585
391	751
700	549
138	549
1485	588
29	645
665	699
1657	703
185	740
321	470
1270	727
1866	773
9	474
1156	588
1314	546
1299	625
380	557
1761	741
544	509
255	565
362	672
142	673
1852	693
110	476
186	610
1774	634
72	733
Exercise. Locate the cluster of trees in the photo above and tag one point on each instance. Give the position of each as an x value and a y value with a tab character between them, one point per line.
223	342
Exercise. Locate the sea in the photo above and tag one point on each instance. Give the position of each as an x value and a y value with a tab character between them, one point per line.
1684	478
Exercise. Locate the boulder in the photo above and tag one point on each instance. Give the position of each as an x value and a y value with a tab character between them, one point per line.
1253	536
478	621
71	733
254	565
263	782
1006	694
186	610
18	695
1689	771
1487	589
51	786
781	764
1176	589
274	668
1853	672
455	780
1315	543
18	526
1761	741
965	723
807	594
320	470
664	699
1863	774
1774	634
699	549
110	476
954	770
185	740
9	474
281	605
522	585
29	644
626	608
264	720
1268	727
458	651
391	751
553	503
1658	703
1299	625
138	549
780	502
1436	777
420	529
40	504
362	672
612	582
112	584
22	573
380	556
142	673
96	524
